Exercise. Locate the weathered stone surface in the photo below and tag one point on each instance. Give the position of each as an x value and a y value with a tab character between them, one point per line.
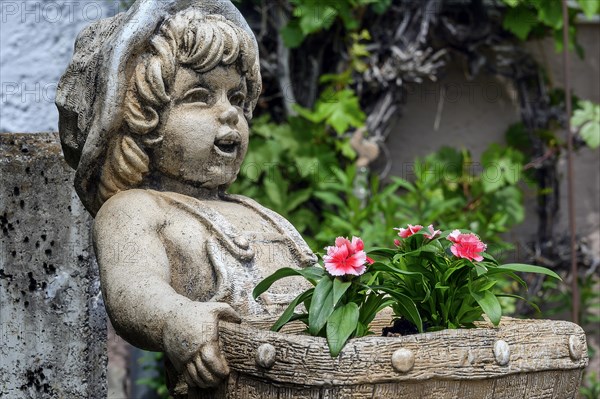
156	141
52	320
457	364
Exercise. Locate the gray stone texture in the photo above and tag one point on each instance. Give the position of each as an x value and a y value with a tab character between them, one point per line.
52	319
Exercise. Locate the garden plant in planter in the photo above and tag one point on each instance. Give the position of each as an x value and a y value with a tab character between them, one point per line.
154	112
438	284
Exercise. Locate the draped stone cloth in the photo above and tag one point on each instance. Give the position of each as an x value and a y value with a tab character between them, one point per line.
235	263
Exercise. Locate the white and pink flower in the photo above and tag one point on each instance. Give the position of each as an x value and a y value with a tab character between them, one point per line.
346	257
432	232
409	231
466	246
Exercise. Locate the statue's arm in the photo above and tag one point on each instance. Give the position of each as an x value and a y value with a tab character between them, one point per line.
135	276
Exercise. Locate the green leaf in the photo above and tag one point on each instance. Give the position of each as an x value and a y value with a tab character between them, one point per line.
321	306
511	274
587	119
433	246
382	267
288	313
292	35
329	198
373	305
382	252
439	286
381	6
312	274
501	166
339	288
274	190
490	305
340	326
407	307
481	270
486	285
344	147
519	21
591	134
298	197
589	7
404	184
315	17
340	110
521	267
533	305
550	13
489	257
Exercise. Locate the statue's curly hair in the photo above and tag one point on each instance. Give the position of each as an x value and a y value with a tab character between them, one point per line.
190	39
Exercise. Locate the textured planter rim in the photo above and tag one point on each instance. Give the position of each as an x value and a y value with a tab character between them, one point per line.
515	346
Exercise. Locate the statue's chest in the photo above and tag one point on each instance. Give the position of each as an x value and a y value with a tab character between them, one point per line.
222	259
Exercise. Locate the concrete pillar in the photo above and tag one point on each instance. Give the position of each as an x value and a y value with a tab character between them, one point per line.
52	319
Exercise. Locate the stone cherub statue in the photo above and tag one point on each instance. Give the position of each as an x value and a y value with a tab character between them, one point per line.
154	112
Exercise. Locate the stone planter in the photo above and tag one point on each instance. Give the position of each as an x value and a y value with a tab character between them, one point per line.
519	359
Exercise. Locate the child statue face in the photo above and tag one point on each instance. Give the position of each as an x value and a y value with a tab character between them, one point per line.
204	130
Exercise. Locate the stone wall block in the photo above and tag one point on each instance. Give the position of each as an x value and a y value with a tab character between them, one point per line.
52	319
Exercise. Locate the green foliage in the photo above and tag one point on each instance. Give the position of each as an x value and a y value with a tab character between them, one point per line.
589	7
591	386
313	16
338	109
586	119
435	290
557	299
337	308
158	384
296	170
346	215
285	165
520	21
537	18
452	191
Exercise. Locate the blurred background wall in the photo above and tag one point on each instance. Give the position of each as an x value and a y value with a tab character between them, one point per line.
475	113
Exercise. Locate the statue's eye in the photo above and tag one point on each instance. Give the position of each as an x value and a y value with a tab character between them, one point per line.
198	95
237	99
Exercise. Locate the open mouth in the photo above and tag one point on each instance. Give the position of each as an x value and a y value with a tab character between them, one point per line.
228	143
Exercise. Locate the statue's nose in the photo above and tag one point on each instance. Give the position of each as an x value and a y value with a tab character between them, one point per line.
229	116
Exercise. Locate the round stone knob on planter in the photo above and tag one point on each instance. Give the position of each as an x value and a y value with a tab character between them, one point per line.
518	356
403	360
501	352
576	347
265	356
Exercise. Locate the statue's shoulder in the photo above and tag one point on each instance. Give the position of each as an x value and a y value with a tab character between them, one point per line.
144	207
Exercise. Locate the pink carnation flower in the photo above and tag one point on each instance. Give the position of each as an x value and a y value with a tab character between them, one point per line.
432	232
467	246
405	233
346	257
